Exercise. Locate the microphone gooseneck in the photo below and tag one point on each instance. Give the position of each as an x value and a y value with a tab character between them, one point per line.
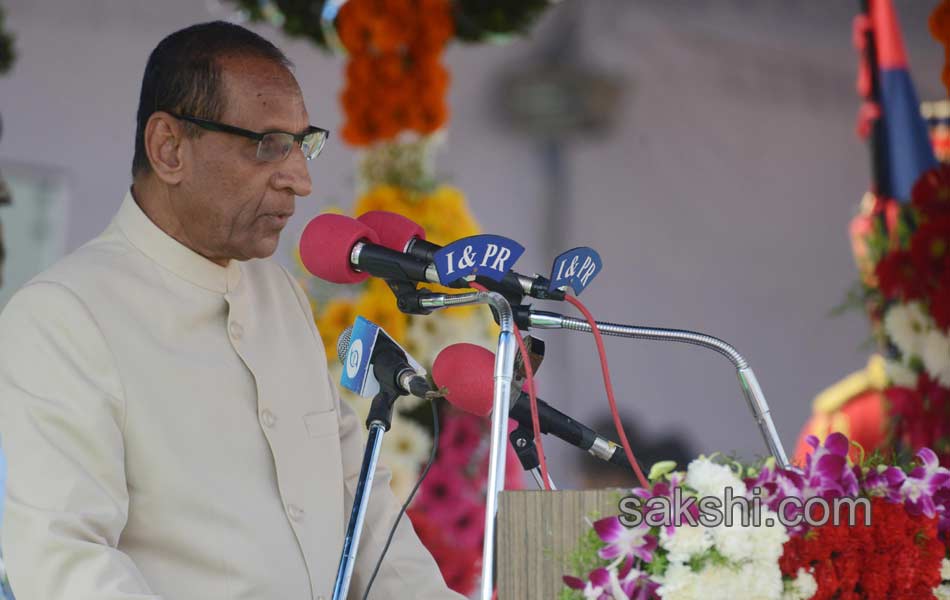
748	382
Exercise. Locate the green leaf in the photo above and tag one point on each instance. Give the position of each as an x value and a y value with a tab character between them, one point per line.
584	558
658	565
661	469
856	298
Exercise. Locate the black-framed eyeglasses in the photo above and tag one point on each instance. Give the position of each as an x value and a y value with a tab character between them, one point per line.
272	146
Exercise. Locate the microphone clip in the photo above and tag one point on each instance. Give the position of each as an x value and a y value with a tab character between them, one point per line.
408	297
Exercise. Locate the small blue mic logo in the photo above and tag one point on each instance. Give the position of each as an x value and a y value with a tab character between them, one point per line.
575	268
354	357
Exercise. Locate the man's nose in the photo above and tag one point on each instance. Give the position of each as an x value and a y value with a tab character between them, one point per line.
293	174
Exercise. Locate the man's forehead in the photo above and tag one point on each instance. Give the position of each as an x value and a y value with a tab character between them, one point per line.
257	88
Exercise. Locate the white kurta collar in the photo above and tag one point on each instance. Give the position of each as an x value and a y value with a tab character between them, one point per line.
171	254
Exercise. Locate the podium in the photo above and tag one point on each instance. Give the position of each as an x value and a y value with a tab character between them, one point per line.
537	533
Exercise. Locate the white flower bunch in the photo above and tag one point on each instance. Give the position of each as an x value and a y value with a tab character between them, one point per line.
942	591
711	479
907	325
802	587
921	343
935	355
737	559
900	374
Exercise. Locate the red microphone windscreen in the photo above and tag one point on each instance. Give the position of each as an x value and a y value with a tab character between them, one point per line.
393	229
326	243
466	371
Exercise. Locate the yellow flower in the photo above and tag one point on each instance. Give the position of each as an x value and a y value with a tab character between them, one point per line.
335	317
445	216
377	304
382	197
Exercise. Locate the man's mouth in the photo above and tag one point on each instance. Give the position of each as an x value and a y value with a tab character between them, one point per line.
280	219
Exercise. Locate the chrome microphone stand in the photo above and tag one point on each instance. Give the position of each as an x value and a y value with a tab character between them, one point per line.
747	380
504	373
378	422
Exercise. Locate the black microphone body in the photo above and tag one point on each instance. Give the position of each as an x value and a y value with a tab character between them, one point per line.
512	284
421	249
380	261
553	421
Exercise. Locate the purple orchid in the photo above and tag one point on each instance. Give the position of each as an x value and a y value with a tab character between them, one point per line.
661	488
923	482
942	502
596	586
622	541
885	483
826	472
664	489
626	583
773	485
636	584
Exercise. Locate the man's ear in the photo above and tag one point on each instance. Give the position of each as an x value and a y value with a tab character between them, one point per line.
165	146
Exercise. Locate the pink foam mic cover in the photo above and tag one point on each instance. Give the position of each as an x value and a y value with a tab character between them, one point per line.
393	229
326	243
466	371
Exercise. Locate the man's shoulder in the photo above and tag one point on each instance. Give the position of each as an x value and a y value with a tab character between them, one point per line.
89	266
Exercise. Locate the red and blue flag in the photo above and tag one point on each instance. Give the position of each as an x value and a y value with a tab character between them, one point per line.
904	148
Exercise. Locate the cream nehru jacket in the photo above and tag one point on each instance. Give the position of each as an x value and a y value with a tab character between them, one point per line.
172	433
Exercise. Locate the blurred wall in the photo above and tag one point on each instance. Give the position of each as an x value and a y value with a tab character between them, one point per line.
719	203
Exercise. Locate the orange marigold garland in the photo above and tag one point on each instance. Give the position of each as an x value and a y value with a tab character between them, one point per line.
395	79
939	23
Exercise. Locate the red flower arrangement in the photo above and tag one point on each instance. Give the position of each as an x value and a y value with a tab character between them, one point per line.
904	255
922	415
919	267
897	558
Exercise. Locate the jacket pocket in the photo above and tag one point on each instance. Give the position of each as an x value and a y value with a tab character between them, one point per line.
321	424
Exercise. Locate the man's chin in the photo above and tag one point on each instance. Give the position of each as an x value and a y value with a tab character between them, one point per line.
264	247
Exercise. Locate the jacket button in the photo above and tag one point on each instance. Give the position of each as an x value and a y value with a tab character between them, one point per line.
236	330
295	512
268	418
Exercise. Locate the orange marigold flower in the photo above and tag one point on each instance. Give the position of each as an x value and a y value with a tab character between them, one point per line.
394	79
388	35
939	24
354	26
390	69
360	70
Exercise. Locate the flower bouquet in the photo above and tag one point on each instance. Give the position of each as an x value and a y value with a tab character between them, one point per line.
724	530
903	254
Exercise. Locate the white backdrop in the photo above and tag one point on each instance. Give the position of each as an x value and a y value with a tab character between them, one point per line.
720	202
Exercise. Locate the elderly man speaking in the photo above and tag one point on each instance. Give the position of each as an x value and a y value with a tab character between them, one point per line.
165	408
